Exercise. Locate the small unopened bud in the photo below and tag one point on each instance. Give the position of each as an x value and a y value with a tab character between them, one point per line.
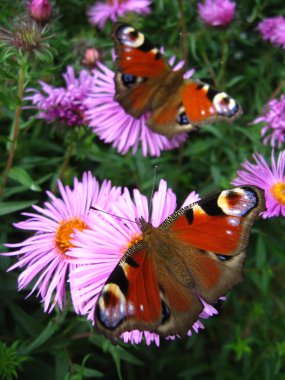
91	57
40	10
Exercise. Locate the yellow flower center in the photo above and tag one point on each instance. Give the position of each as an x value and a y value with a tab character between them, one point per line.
64	232
133	239
278	192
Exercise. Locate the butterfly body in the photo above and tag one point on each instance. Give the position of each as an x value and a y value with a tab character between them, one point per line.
146	83
196	254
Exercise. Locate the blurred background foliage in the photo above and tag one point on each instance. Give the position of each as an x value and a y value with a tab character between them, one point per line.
247	339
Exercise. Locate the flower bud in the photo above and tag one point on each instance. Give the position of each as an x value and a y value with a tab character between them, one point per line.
40	10
91	57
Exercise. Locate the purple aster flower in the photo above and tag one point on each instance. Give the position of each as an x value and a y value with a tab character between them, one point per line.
113	125
63	104
45	253
274	117
217	12
273	29
272	180
99	249
112	9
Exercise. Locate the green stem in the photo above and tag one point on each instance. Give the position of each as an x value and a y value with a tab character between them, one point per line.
64	165
183	27
212	73
278	89
16	125
224	57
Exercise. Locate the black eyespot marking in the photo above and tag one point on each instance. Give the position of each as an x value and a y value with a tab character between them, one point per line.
158	56
211	207
200	86
223	257
182	119
129	80
107	297
165	313
134	34
226	100
211	93
132	262
189	215
119	278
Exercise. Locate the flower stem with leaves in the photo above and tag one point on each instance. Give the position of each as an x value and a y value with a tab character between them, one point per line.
23	65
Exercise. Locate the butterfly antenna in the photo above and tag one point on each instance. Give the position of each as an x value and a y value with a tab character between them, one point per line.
152	191
116	216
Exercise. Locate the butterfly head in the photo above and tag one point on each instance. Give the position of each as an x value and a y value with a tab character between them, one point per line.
144	225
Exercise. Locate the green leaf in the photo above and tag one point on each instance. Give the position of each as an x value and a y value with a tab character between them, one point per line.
9	207
21	175
46	334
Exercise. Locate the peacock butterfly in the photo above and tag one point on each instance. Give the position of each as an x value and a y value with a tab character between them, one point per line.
197	252
145	82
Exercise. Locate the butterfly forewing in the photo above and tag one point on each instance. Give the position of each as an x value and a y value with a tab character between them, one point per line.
214	233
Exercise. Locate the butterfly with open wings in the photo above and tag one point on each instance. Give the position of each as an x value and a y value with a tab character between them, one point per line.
145	82
196	253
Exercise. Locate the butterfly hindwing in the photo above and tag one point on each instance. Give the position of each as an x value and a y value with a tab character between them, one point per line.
130	298
146	83
139	296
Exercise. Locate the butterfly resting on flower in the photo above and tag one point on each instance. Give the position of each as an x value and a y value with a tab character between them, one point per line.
145	82
196	254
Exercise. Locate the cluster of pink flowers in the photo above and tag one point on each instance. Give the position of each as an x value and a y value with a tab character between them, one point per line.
75	240
76	244
63	104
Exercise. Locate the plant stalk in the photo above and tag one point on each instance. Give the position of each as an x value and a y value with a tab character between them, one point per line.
16	125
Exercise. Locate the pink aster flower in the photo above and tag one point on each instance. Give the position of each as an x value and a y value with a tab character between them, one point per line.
272	180
40	10
99	249
44	255
217	12
63	104
113	125
274	117
273	29
112	9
